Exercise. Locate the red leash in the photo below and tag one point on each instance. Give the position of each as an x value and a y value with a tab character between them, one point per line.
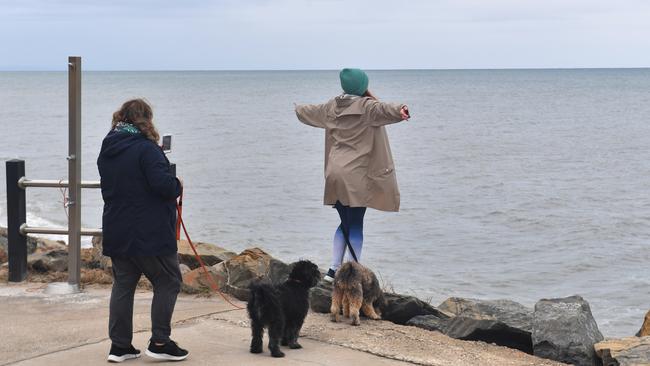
213	283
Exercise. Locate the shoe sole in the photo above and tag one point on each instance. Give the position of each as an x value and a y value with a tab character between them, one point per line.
118	359
164	356
328	279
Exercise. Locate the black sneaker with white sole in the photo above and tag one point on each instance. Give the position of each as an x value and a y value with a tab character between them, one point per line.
118	354
329	277
168	351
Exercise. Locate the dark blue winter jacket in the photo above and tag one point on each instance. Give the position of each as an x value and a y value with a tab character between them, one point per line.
139	194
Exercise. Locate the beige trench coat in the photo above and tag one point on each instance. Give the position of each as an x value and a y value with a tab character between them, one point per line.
359	169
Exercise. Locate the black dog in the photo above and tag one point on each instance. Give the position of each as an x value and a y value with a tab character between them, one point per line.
282	309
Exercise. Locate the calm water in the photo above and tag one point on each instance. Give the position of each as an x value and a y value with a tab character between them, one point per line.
515	184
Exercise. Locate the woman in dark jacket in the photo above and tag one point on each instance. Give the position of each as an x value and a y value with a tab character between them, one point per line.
139	224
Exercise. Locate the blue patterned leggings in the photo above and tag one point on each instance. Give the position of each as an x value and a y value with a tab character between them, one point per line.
351	223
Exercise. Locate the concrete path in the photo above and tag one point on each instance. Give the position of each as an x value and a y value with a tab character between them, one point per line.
39	329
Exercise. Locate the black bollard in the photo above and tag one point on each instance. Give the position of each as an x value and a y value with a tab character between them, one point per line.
16	211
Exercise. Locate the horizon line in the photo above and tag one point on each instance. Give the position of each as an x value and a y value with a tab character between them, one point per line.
337	69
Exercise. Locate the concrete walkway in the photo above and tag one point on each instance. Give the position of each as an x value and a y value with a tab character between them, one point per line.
41	329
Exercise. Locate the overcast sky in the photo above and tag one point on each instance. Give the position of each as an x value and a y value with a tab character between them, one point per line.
323	34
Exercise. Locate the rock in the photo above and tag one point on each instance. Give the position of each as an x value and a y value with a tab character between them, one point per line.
42	245
429	322
3	245
210	254
631	351
53	261
398	309
401	308
645	328
34	244
502	322
235	274
104	262
565	330
278	271
184	268
197	278
320	297
95	276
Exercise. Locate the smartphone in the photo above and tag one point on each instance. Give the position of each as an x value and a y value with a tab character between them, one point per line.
167	144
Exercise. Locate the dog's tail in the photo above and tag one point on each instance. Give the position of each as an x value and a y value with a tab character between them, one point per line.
263	301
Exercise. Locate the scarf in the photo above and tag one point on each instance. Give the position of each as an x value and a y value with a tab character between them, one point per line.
126	127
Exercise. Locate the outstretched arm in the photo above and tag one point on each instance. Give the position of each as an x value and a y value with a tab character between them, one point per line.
380	113
311	114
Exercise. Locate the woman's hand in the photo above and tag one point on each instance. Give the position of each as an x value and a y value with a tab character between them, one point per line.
404	112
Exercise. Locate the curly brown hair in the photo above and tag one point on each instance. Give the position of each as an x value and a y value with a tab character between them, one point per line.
138	113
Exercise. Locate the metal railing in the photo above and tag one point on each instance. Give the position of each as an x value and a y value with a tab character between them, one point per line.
17	227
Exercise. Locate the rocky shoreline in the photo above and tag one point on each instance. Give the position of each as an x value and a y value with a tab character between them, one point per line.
561	329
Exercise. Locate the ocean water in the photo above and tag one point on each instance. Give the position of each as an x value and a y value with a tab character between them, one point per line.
518	184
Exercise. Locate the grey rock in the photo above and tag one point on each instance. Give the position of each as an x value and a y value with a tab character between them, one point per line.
400	309
53	261
509	312
565	330
429	322
210	254
320	297
503	322
278	271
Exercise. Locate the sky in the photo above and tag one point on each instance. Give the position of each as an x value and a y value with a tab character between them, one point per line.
323	34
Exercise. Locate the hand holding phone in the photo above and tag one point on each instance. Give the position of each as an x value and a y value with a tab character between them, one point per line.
167	144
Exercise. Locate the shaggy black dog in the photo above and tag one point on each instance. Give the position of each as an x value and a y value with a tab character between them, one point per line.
282	309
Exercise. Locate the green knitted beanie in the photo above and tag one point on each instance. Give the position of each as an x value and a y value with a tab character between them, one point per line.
354	81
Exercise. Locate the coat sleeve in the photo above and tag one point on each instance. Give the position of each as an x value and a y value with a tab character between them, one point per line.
156	170
312	114
380	114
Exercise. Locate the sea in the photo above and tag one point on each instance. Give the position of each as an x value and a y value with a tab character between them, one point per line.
515	184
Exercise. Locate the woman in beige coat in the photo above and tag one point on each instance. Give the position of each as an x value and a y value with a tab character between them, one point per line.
359	169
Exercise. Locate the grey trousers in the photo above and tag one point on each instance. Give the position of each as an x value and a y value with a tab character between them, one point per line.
164	274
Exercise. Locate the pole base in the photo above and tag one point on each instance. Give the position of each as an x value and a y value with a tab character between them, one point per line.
61	288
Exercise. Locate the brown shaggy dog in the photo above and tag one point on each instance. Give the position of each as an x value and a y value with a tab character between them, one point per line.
356	288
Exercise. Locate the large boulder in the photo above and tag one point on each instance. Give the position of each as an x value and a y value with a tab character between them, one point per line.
235	274
645	328
565	330
503	322
52	261
210	254
400	309
631	351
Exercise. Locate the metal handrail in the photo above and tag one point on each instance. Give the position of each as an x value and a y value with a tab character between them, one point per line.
24	183
24	229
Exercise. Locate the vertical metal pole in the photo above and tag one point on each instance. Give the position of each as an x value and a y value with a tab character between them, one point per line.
17	242
74	171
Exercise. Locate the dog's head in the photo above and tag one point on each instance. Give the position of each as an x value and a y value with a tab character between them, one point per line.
305	272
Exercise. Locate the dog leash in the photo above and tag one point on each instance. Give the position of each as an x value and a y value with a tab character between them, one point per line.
347	242
212	282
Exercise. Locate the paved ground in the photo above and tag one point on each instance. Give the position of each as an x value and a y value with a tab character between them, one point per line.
39	329
49	330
